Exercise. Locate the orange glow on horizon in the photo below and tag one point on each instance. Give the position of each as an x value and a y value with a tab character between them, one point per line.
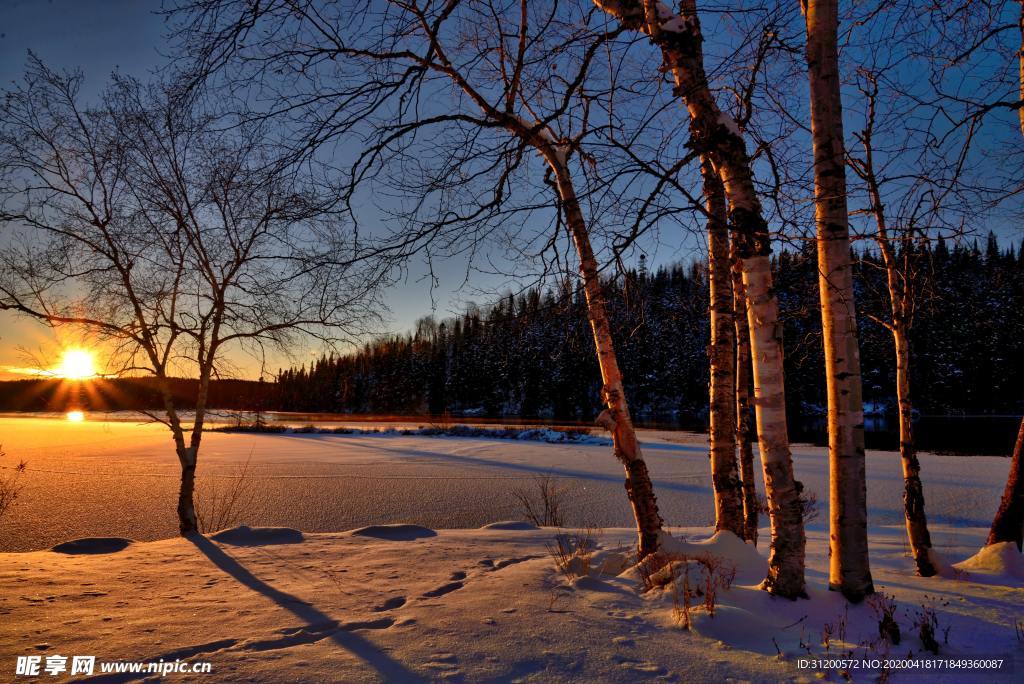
76	416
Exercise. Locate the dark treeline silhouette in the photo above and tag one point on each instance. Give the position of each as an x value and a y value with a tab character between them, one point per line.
531	355
122	394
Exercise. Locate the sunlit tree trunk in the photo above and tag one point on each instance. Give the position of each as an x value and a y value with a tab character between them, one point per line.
1008	525
849	569
716	134
913	490
187	521
724	476
616	417
1020	63
743	426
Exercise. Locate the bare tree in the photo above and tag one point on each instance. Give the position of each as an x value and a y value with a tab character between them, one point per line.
503	100
903	284
716	134
849	569
177	242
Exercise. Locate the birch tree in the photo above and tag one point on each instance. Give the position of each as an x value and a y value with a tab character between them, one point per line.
485	72
849	570
716	134
725	478
744	447
903	290
177	245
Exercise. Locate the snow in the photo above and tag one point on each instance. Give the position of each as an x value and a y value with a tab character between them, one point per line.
724	545
243	535
1000	563
401	598
729	123
91	545
469	605
395	532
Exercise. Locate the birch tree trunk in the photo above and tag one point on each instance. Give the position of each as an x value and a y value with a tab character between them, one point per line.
745	448
913	490
187	521
724	476
900	288
1020	63
716	134
849	569
1008	525
616	417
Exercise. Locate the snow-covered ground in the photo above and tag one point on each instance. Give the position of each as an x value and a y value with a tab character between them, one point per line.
475	604
412	604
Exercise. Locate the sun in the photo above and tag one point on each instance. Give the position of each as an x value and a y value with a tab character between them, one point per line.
76	364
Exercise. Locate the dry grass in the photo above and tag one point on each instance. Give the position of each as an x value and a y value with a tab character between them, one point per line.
225	502
541	502
573	552
697	579
884	608
9	486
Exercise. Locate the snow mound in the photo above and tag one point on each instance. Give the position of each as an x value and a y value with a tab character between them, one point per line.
996	563
244	535
395	532
751	566
92	545
520	525
749	630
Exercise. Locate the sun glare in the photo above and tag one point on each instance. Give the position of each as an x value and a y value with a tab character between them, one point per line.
77	364
76	416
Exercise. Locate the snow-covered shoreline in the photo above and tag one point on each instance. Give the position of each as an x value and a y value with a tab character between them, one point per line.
85	480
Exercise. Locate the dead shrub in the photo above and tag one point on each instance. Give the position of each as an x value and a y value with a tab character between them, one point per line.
712	574
926	622
884	608
573	552
9	484
225	502
541	502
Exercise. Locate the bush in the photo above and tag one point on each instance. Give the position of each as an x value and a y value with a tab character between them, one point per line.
541	503
9	485
225	504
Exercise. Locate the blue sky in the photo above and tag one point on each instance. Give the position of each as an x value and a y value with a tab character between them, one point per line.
100	36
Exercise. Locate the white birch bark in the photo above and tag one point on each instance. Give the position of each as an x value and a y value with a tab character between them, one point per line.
849	568
716	134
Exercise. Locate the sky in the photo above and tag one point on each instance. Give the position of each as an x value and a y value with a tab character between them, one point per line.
101	36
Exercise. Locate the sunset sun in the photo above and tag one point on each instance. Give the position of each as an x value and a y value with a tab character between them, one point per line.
76	364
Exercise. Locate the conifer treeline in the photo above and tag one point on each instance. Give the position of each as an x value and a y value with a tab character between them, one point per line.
532	355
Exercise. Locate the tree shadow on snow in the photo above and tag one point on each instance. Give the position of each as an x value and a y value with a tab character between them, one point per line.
540	468
318	626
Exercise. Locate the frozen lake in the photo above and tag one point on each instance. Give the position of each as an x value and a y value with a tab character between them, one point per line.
120	478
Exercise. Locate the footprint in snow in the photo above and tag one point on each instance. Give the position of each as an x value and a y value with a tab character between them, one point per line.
444	589
390	604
